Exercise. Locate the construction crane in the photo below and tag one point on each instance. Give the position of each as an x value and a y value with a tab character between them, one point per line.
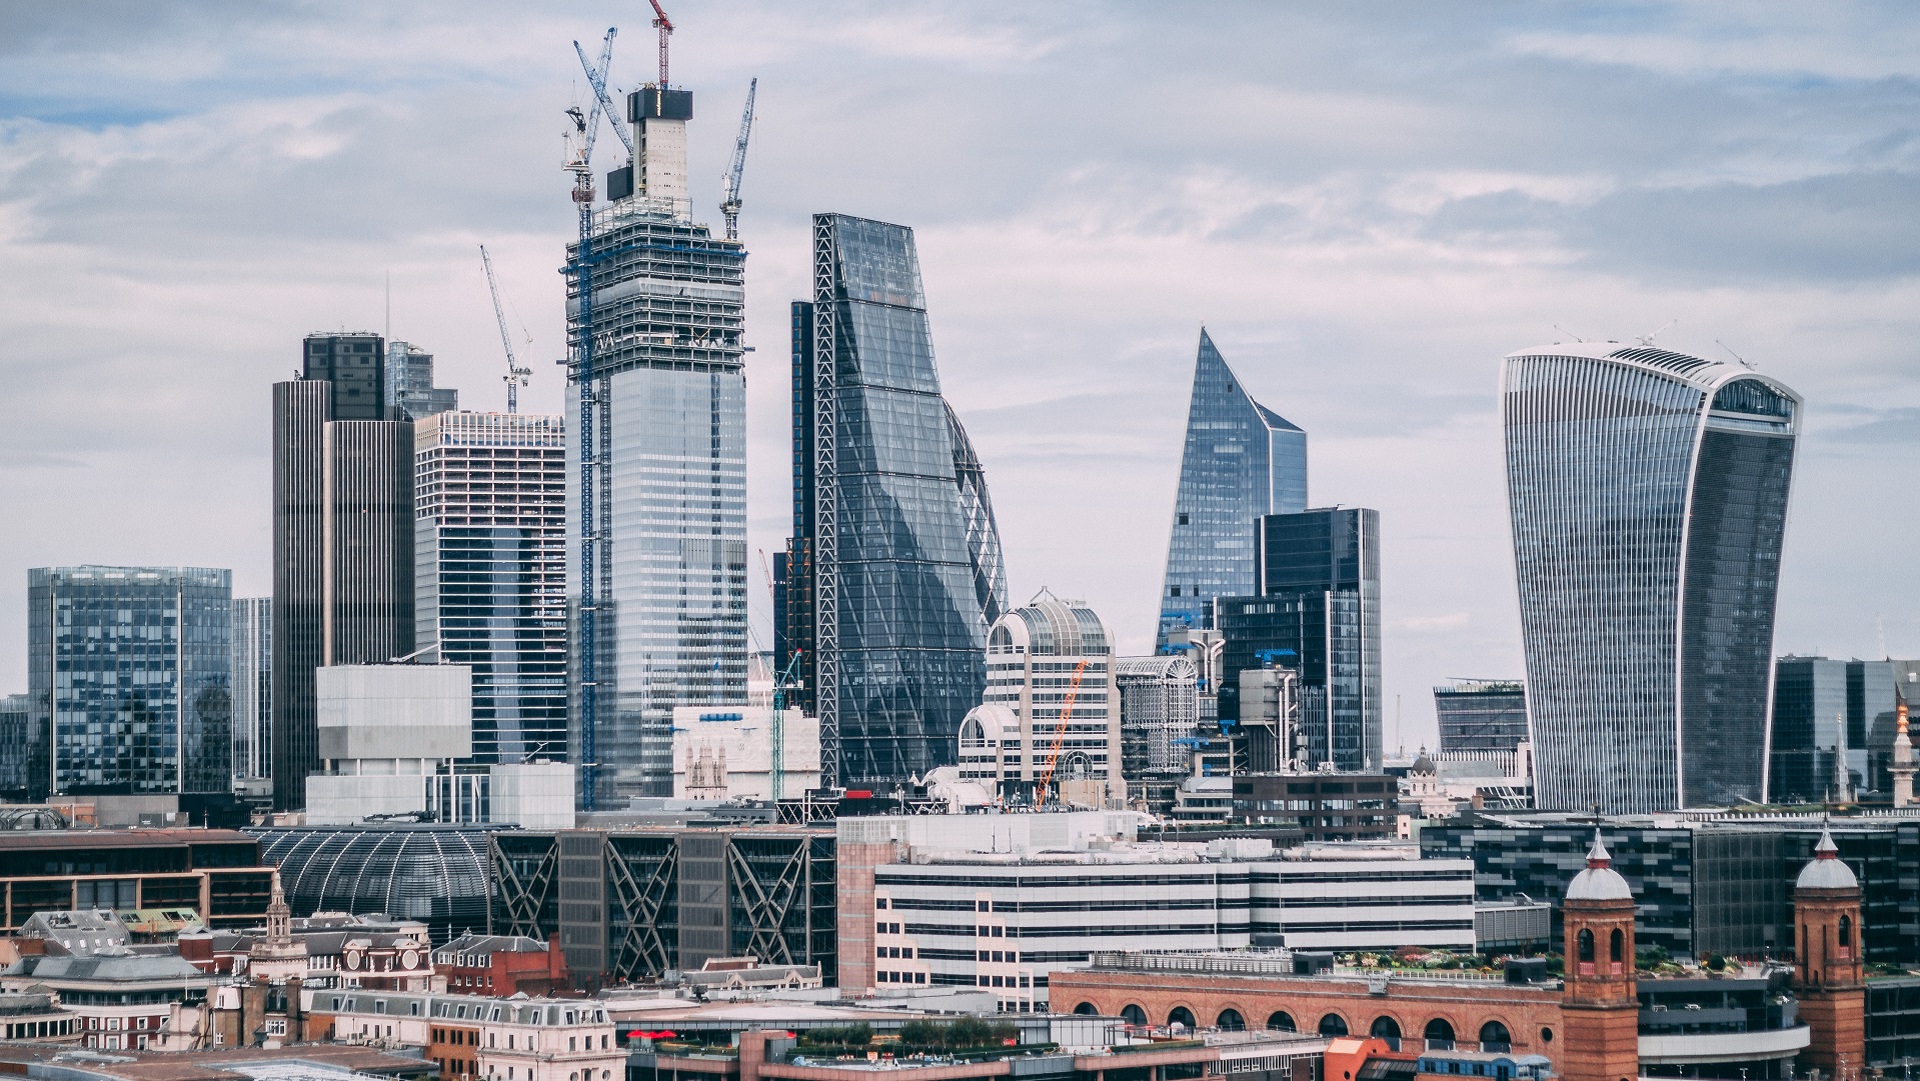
665	26
597	78
730	202
516	376
1059	736
592	395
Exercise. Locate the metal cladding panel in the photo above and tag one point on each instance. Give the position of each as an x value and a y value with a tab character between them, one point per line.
620	183
652	102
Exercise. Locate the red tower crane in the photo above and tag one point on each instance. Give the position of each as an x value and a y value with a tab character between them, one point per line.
1059	736
665	26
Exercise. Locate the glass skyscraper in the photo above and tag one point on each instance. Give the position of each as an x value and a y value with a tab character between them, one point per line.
252	737
1241	461
1318	612
1648	494
668	401
132	665
490	548
1481	714
895	559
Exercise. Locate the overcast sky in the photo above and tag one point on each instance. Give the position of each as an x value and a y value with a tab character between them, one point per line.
1366	204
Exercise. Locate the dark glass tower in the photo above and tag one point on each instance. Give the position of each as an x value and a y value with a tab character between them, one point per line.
133	663
1241	461
342	537
895	558
1648	493
1319	612
1481	714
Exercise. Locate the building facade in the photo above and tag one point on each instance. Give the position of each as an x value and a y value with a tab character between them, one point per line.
343	570
1241	461
134	668
252	738
218	874
1325	806
894	566
1648	494
1812	760
1481	714
409	375
630	904
665	440
1050	664
491	582
1159	719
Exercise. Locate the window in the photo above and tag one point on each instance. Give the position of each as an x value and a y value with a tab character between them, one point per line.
1616	945
1586	946
1494	1032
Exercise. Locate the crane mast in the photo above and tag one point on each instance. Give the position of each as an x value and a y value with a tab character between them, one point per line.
516	376
665	26
592	398
597	78
1059	736
730	202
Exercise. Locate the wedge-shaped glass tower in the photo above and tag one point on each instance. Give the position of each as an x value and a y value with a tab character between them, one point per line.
1648	491
1242	462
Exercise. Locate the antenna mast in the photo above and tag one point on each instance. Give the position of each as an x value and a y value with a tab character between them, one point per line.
516	376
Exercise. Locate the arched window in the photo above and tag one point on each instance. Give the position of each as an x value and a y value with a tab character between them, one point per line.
1281	1021
1180	1015
1846	934
1438	1031
1586	945
1086	1009
1132	1014
1333	1025
1495	1033
1616	945
1385	1028
1231	1021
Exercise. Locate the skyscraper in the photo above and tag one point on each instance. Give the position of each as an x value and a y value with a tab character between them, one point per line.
1648	493
132	663
1318	612
895	557
668	421
252	737
491	586
1481	714
1241	461
342	537
409	377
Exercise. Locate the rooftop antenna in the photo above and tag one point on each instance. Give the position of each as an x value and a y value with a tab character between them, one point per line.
1647	339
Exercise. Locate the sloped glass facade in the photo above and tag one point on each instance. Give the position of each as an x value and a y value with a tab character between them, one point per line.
913	561
133	665
1241	461
435	874
1648	495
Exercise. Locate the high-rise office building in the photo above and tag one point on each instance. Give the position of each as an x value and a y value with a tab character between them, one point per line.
895	558
1241	461
1319	613
490	495
1827	710
133	666
1648	493
409	378
667	402
252	738
23	750
1481	714
342	537
1050	665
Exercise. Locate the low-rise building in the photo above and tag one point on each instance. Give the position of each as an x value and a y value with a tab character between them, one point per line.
502	966
217	874
37	1017
1327	806
122	1000
519	1039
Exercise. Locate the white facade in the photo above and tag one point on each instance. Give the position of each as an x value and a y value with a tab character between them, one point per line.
519	1039
1050	664
726	752
389	711
1005	921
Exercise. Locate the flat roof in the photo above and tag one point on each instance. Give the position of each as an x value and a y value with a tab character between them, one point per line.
17	840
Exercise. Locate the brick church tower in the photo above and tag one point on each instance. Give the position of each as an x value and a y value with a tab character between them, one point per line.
1827	964
1600	1008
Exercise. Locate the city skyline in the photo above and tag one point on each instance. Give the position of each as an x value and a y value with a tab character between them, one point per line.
1356	284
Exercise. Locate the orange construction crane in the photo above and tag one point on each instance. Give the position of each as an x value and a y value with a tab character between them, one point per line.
1059	736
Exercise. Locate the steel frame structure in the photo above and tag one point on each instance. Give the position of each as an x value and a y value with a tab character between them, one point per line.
826	516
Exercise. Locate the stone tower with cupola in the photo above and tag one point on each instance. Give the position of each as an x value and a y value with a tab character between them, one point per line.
1827	966
1600	1009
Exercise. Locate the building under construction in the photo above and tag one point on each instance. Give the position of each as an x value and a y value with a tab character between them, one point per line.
657	409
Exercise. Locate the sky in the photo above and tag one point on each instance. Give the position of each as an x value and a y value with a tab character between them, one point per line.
1366	205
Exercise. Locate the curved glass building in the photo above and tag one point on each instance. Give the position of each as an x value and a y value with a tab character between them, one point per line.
1241	461
435	874
1648	493
894	571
